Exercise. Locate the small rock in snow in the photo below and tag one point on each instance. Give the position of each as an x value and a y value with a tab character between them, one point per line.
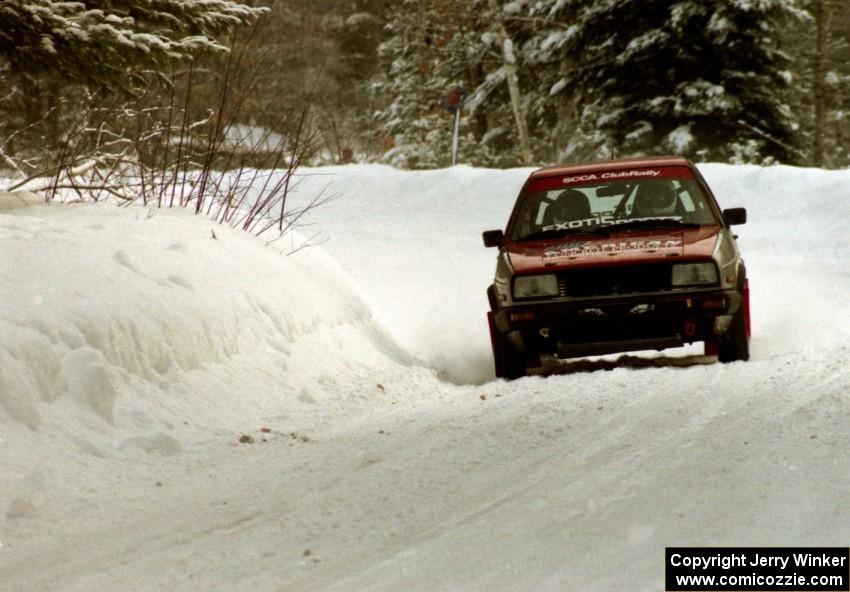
20	508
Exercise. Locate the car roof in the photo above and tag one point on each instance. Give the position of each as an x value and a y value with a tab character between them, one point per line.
610	165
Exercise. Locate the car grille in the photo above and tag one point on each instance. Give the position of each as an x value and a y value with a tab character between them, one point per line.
618	279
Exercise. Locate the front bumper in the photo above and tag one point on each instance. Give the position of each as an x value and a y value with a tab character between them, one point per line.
602	325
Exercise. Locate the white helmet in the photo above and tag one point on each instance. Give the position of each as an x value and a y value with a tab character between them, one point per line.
655	198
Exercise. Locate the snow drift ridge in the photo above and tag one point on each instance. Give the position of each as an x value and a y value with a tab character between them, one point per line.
101	303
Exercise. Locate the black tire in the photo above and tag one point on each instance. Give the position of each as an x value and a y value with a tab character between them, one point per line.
510	364
491	298
735	345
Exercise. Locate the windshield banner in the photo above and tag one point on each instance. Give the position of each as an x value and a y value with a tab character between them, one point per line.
603	177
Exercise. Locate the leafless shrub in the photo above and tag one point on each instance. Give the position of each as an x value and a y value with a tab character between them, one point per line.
159	148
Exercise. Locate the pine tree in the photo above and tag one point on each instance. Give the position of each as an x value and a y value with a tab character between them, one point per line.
63	61
434	45
838	86
596	78
549	26
702	78
101	42
821	46
424	55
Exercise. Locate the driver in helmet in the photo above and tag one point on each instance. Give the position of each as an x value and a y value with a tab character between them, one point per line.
570	205
655	198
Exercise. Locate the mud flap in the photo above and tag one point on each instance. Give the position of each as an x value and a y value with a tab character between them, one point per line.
491	323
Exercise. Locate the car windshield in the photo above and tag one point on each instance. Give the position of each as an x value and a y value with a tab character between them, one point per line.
602	206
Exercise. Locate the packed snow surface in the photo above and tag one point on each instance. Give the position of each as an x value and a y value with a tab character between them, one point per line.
184	407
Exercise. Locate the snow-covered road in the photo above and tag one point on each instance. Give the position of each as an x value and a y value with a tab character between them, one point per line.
136	351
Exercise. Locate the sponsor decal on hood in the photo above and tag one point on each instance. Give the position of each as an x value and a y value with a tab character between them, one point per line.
577	248
653	245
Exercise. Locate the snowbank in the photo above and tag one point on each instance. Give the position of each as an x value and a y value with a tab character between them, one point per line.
184	407
126	322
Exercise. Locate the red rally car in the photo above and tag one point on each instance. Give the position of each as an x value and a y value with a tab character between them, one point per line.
616	256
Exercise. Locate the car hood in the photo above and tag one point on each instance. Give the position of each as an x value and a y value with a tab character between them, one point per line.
628	246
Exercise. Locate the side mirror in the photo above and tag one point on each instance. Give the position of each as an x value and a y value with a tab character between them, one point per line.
493	238
735	216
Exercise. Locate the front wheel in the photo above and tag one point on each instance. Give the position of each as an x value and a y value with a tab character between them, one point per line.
510	364
735	345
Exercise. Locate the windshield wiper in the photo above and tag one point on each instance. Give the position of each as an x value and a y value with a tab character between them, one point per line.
561	232
652	223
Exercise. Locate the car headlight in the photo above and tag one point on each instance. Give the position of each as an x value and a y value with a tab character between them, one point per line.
536	286
694	274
